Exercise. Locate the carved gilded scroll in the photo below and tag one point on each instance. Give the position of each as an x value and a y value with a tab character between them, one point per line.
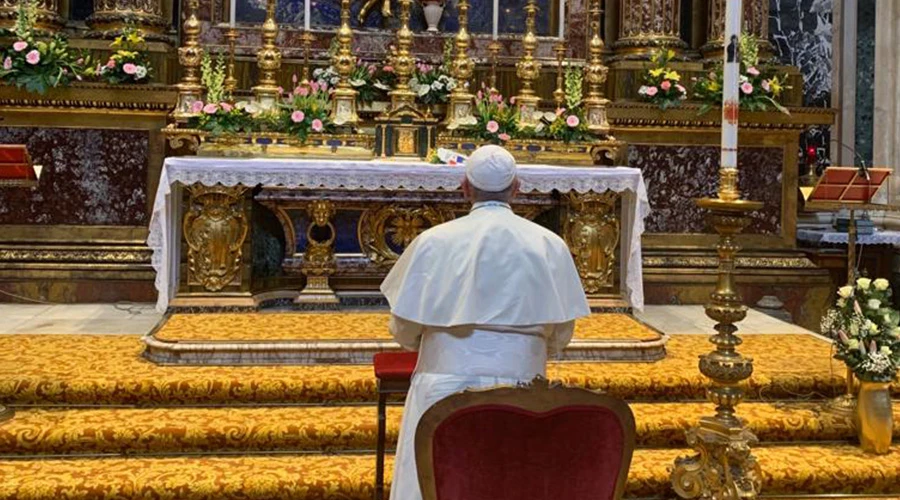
215	228
592	230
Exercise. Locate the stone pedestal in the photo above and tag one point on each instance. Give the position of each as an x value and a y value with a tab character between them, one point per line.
648	25
111	16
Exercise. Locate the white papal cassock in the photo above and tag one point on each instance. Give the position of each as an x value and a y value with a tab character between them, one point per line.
485	299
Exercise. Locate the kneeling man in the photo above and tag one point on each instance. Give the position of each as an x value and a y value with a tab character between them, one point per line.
484	298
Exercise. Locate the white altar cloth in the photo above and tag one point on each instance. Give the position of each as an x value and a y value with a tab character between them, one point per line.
391	175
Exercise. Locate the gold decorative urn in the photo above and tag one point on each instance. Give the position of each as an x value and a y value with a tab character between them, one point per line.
874	417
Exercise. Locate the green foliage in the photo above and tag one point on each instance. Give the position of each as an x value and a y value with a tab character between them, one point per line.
212	75
866	330
574	87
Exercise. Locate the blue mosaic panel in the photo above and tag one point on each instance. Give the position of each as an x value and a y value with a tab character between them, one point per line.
325	13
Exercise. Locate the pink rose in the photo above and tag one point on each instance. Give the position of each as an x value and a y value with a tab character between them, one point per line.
197	106
512	100
317	125
7	63
298	116
323	87
280	90
303	91
314	86
111	64
226	107
210	109
572	121
747	88
492	127
129	68
752	71
504	137
665	85
388	69
33	57
652	91
681	89
766	86
20	46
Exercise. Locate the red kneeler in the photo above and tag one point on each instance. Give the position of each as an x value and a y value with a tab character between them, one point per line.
393	371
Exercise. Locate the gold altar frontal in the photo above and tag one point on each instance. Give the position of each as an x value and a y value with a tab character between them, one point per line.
354	337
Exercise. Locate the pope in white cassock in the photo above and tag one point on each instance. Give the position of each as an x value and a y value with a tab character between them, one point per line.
485	299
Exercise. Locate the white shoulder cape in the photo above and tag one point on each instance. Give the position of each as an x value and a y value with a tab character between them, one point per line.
490	267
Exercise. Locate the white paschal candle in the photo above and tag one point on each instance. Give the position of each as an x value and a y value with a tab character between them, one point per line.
306	14
562	20
232	13
496	25
731	84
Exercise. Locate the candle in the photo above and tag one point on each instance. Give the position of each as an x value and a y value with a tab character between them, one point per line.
306	14
496	18
730	96
562	20
232	14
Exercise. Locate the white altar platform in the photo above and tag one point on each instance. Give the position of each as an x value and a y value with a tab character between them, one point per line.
165	230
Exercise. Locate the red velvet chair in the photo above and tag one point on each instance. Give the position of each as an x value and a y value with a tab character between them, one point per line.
393	371
536	442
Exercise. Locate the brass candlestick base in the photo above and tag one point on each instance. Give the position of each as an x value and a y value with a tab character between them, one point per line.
230	83
724	467
844	404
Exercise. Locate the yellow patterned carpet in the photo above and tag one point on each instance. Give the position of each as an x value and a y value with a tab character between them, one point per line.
345	428
261	327
108	369
786	470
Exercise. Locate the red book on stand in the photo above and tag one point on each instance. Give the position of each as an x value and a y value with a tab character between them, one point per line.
849	184
15	163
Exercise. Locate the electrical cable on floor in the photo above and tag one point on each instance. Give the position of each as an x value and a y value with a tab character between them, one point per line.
132	308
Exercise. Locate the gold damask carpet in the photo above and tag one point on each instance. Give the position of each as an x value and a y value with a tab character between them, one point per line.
108	370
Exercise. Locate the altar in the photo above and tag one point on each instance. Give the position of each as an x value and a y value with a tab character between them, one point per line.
239	233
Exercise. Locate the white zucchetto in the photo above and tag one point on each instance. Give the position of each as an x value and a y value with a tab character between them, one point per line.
491	168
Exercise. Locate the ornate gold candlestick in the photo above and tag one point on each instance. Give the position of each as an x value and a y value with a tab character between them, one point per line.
528	69
595	74
403	62
307	39
231	36
268	58
343	101
459	112
559	95
494	50
189	56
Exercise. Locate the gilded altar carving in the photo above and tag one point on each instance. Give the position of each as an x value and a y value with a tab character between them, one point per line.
389	225
318	259
645	26
46	14
592	231
114	15
367	7
215	228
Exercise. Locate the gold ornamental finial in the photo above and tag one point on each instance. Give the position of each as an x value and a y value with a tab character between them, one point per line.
528	69
189	56
403	61
343	108
595	73
268	59
459	112
559	95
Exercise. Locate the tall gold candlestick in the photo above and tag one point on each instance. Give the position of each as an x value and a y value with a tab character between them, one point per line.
231	36
403	62
268	59
528	69
459	111
189	56
559	95
494	50
307	39
595	74
343	107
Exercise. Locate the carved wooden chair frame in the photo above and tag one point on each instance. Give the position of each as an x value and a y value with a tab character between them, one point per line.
538	397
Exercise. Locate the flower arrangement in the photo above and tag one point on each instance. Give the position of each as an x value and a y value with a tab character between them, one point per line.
37	65
866	330
566	124
433	84
662	84
496	119
760	86
218	115
129	63
306	110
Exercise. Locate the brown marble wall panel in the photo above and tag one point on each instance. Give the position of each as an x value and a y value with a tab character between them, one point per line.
90	177
677	175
